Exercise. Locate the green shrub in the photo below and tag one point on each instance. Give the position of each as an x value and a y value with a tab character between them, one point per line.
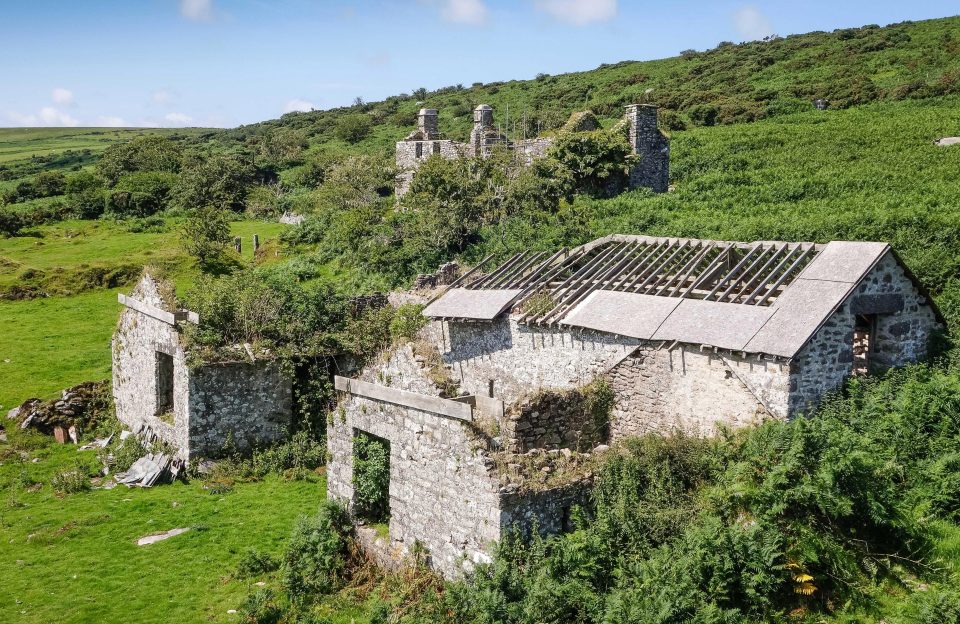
261	607
353	128
86	198
255	563
371	477
72	480
408	319
320	554
10	222
206	234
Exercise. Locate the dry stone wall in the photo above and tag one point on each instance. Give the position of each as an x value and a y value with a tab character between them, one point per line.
248	404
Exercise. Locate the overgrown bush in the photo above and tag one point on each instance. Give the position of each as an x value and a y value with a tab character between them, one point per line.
255	563
10	222
261	607
72	480
371	478
320	554
206	234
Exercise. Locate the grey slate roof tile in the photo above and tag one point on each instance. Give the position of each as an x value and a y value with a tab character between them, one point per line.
627	314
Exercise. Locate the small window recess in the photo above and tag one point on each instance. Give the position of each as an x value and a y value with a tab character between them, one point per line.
164	384
863	333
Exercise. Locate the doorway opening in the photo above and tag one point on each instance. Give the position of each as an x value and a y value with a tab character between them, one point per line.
371	480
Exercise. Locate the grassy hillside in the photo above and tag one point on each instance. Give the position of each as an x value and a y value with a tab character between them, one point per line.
751	159
729	84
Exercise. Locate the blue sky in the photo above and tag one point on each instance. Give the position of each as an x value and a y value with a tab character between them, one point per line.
227	62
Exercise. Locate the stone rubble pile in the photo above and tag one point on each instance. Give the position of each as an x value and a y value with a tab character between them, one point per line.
65	417
445	275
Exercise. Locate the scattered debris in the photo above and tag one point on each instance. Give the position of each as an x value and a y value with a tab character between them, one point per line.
98	443
945	141
150	470
159	537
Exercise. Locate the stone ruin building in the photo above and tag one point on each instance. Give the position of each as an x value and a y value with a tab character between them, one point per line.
687	334
196	410
639	125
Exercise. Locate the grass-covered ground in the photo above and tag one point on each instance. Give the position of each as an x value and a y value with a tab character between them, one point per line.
74	558
55	342
17	144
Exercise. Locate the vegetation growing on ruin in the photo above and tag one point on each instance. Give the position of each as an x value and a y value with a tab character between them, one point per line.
848	516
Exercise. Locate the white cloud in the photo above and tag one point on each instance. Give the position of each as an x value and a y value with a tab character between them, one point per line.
111	121
177	119
148	123
751	23
579	12
62	96
47	116
161	96
472	12
298	106
197	10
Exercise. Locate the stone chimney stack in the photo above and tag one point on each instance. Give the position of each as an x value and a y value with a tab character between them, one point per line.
427	124
653	148
482	117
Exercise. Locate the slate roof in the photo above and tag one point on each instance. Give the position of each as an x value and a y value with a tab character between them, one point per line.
765	297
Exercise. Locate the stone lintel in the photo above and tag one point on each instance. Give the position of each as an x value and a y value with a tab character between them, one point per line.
405	398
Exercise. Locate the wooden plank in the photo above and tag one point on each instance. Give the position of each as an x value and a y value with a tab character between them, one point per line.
405	398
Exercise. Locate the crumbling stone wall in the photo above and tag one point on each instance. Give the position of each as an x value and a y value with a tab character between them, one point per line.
639	122
441	491
683	389
905	322
653	168
554	420
548	511
522	360
249	404
136	343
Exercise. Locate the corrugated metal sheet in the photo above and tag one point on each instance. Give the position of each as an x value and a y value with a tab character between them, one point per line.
481	305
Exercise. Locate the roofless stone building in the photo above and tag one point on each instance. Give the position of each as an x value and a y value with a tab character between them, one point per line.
688	334
639	125
196	410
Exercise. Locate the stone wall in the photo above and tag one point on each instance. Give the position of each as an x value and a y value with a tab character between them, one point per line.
653	148
410	154
553	420
442	493
523	360
136	343
904	325
549	511
530	149
688	390
249	404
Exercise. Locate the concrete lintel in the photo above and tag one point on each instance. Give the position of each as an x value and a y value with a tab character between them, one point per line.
170	318
150	310
405	398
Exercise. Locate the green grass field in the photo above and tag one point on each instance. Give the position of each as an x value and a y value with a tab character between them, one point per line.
24	143
57	342
75	559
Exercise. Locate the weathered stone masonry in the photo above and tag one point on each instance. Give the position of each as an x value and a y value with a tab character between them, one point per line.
247	404
640	124
674	363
